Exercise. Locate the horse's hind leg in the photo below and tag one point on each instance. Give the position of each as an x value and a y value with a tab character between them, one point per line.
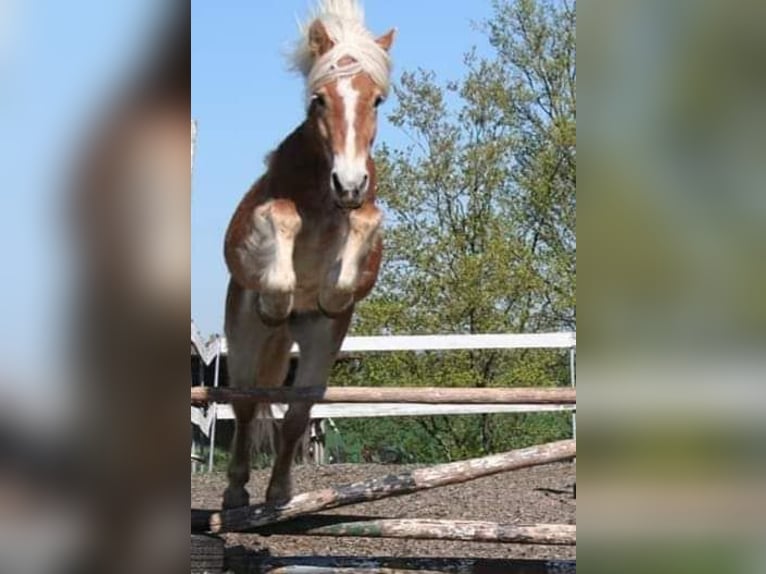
319	339
258	355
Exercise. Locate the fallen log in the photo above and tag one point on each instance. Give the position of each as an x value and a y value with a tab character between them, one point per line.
207	554
425	529
427	395
200	519
241	561
249	517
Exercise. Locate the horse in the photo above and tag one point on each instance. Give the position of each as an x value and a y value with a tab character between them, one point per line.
304	244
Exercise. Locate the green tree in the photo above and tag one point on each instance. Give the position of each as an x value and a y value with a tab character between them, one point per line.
480	233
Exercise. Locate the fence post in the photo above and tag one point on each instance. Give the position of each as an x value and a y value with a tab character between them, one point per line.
214	406
572	379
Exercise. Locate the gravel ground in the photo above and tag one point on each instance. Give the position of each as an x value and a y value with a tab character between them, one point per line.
540	494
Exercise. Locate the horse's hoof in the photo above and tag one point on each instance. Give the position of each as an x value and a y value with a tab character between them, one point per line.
334	309
277	312
270	321
235	497
278	496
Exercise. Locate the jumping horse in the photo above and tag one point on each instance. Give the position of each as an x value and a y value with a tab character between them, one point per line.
304	244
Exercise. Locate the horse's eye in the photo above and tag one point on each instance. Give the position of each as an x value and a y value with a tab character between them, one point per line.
318	99
379	100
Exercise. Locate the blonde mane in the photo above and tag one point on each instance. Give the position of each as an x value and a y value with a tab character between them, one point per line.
344	22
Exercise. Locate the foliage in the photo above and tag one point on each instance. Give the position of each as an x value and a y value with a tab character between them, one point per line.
480	232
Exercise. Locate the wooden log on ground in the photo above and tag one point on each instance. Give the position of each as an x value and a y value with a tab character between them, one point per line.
241	561
207	554
249	517
429	529
361	568
428	395
200	519
425	529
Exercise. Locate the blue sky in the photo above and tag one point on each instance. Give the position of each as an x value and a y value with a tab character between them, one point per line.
60	65
245	101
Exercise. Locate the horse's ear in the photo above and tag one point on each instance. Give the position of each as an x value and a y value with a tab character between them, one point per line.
387	39
319	41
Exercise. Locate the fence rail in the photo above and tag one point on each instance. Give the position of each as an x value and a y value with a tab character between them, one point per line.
430	395
357	402
392	343
376	410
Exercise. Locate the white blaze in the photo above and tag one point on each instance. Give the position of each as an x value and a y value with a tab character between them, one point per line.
350	167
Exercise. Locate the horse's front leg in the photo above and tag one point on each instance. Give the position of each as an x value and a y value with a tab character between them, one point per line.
337	291
275	227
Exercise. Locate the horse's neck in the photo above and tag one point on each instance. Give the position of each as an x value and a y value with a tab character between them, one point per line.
299	169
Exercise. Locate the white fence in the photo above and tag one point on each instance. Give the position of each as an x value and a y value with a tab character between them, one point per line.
212	349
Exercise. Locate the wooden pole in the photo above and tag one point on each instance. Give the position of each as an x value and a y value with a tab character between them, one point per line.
430	395
240	560
207	554
425	529
249	517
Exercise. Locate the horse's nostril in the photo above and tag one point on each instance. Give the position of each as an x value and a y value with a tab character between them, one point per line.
336	184
365	181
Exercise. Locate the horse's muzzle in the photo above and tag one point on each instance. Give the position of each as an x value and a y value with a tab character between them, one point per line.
349	197
348	205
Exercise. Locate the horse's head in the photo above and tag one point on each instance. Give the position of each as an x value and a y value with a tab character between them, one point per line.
348	80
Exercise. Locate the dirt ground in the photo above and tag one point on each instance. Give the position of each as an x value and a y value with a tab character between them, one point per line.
541	494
